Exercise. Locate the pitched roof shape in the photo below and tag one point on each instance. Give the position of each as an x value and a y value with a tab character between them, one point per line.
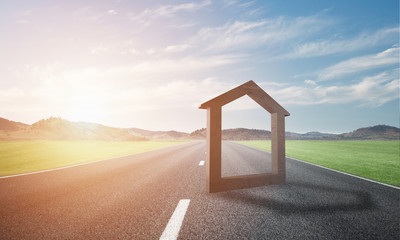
214	180
251	89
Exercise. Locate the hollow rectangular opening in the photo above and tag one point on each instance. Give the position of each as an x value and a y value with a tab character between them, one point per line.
245	123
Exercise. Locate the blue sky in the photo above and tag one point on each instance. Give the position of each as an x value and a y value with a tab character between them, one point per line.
334	65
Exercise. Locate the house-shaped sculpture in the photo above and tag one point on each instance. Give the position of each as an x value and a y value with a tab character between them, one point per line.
215	182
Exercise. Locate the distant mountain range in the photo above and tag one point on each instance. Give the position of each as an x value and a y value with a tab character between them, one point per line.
157	134
7	125
61	129
375	132
379	132
235	134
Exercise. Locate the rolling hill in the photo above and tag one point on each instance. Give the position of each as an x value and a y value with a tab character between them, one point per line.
379	132
158	135
235	134
375	132
7	125
61	129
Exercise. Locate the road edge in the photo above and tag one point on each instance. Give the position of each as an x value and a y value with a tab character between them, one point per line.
348	174
86	163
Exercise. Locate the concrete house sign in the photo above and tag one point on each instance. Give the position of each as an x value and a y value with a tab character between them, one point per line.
216	183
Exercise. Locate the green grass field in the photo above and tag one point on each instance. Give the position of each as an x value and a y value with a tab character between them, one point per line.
28	156
376	160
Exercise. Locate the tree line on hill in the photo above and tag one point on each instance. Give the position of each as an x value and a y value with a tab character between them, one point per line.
61	129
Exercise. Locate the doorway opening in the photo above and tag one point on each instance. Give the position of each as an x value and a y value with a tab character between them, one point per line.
245	126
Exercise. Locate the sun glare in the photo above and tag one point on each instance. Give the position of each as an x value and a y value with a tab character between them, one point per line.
85	108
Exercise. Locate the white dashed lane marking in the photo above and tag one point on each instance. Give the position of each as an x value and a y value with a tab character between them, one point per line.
201	163
175	222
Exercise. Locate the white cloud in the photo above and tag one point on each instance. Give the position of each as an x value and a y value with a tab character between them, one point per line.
133	51
180	65
238	36
23	21
120	90
240	27
151	51
182	25
309	82
100	49
58	79
167	11
88	14
371	91
326	47
145	85
269	84
230	2
171	10
246	8
176	48
112	12
121	47
245	35
255	11
238	3
358	64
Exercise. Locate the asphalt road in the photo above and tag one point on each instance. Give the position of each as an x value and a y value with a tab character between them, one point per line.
133	197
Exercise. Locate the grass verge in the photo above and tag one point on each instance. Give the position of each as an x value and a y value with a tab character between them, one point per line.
376	160
29	156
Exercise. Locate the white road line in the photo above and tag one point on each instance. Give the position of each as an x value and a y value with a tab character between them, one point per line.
201	163
348	174
175	222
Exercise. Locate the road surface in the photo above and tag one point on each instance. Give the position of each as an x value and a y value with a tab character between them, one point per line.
134	197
